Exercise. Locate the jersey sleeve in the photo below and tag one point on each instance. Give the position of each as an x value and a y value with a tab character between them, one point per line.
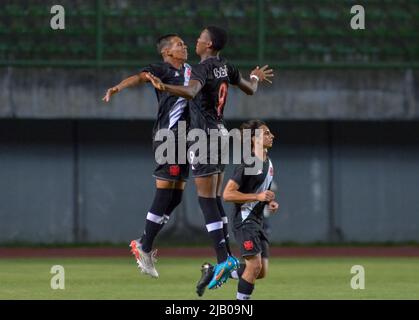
238	175
233	74
200	73
154	69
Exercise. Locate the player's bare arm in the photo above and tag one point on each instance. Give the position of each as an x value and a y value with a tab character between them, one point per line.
132	81
188	92
257	75
232	194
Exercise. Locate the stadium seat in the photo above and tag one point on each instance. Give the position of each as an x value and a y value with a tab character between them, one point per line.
305	31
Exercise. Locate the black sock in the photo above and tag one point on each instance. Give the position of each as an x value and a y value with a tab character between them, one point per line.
225	223
155	217
244	289
176	200
214	226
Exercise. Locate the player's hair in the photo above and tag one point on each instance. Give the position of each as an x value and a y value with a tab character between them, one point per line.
251	125
218	37
164	41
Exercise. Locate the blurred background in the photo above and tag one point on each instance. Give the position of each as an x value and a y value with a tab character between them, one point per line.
344	107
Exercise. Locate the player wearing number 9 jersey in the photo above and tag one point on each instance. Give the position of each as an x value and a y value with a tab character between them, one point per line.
215	75
207	91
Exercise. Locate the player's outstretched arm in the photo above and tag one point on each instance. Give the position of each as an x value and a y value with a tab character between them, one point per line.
188	92
128	82
232	194
257	75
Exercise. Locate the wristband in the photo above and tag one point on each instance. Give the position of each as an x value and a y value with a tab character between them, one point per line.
253	76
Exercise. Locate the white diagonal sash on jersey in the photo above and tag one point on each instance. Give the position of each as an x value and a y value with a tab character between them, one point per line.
180	103
248	206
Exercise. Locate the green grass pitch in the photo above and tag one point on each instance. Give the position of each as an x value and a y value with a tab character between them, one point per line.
288	278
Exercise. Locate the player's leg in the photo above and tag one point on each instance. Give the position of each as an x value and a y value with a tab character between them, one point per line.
224	217
177	193
207	270
170	183
157	216
264	271
265	259
207	188
236	274
247	281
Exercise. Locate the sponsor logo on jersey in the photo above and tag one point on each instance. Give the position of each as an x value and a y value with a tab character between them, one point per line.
220	72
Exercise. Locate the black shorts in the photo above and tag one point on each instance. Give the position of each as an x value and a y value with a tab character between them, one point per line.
252	239
203	170
212	163
171	171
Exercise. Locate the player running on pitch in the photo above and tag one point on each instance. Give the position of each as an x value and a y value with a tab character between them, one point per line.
208	90
251	195
170	178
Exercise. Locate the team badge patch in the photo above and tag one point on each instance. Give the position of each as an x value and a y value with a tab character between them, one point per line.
174	170
248	245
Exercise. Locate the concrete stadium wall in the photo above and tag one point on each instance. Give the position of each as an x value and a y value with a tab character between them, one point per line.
90	181
295	95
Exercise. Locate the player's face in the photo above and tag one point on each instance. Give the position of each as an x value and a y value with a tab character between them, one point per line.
268	137
178	50
202	42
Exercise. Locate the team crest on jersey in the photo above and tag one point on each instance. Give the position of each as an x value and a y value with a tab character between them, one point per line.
271	171
177	74
248	245
174	170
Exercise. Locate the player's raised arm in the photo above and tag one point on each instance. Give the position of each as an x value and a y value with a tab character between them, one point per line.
232	194
257	75
128	82
188	92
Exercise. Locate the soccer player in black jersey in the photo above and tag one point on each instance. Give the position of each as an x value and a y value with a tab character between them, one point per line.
208	90
252	197
171	177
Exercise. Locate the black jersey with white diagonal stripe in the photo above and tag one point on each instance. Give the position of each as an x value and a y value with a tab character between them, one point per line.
207	108
252	184
171	108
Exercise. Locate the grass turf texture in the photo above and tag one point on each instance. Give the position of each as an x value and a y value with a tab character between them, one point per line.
288	278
